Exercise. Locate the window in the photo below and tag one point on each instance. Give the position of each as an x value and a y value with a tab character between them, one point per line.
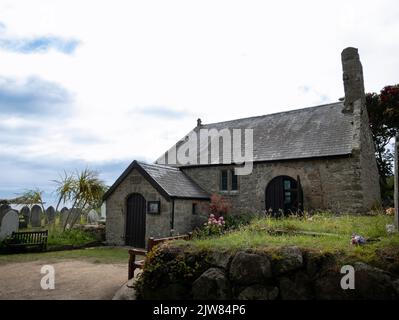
234	181
223	180
194	209
153	207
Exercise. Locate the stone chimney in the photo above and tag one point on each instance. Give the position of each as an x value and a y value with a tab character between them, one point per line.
353	79
199	122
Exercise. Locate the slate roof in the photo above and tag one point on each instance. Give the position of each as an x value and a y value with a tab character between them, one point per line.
169	181
320	131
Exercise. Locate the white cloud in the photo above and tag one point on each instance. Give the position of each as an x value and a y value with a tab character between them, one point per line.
216	60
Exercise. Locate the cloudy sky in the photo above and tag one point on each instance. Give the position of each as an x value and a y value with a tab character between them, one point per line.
100	83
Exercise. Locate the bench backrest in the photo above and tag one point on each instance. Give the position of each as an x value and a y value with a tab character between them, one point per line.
30	237
153	241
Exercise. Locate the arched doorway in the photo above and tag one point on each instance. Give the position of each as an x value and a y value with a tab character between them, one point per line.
135	221
284	195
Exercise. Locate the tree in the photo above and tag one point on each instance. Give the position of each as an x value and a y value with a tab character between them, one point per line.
383	112
30	198
64	188
84	189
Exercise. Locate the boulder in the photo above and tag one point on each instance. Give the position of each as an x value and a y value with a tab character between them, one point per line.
319	262
327	286
290	259
250	268
212	284
220	259
373	283
258	292
299	289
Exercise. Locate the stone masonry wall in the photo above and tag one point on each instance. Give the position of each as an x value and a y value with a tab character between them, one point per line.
286	273
185	221
368	164
330	183
157	225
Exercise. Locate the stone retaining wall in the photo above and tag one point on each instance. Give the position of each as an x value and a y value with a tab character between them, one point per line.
288	273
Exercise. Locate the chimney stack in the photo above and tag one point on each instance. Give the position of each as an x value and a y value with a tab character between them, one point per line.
199	122
353	79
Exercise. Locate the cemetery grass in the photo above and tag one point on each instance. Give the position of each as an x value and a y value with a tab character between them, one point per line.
94	255
325	232
74	237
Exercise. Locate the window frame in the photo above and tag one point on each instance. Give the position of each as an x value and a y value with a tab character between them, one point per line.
221	180
232	175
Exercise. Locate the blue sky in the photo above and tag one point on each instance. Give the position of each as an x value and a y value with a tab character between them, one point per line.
100	83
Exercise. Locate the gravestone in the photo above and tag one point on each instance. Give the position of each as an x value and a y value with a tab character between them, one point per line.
92	217
25	212
36	216
103	210
63	215
3	210
50	214
75	216
9	223
396	182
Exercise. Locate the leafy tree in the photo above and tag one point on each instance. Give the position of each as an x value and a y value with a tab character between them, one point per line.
383	111
64	188
84	189
30	198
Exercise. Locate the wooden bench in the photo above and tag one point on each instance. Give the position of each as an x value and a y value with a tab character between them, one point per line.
28	239
152	242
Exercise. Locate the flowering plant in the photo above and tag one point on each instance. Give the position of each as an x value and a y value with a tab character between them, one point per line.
390	211
214	226
219	205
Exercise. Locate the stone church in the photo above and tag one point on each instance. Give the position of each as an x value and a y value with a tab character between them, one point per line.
317	158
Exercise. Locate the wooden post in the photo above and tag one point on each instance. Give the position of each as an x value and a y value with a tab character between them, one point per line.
396	196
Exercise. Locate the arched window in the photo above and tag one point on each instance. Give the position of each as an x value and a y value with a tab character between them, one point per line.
284	195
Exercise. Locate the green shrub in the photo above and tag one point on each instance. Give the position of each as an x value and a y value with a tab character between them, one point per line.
69	237
238	220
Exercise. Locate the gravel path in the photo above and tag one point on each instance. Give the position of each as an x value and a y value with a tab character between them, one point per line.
73	280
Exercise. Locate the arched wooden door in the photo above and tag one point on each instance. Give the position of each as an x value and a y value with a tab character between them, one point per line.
284	195
135	221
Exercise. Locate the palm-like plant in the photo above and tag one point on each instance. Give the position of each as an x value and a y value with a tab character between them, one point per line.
64	188
86	190
30	198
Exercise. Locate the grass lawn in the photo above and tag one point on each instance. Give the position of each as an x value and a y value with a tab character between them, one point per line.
262	233
95	255
58	237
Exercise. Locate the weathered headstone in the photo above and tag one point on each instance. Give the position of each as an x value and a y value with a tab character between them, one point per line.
397	182
9	223
3	210
36	216
50	214
75	216
63	215
103	210
92	217
25	212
